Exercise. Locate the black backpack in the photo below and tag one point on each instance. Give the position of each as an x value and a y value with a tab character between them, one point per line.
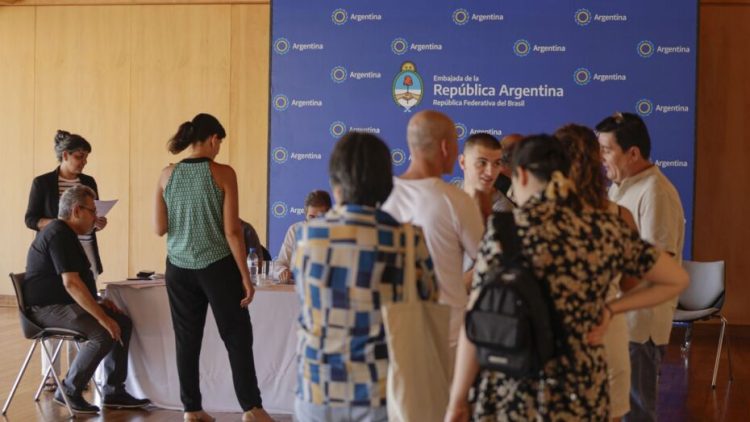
511	322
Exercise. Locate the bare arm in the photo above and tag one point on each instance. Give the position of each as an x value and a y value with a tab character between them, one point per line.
667	279
628	283
466	370
664	281
161	221
227	179
78	291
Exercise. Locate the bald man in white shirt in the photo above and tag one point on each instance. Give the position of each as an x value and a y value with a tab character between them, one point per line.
450	219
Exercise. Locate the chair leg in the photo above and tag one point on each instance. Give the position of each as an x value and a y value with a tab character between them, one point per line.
20	375
93	380
58	382
688	338
50	364
729	351
718	351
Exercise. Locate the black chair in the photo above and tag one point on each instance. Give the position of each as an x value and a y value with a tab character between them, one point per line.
39	335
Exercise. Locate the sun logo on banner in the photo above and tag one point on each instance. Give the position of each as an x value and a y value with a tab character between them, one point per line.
338	74
646	49
280	155
281	46
644	107
280	102
407	87
583	17
398	156
337	129
582	76
460	131
522	48
339	16
279	209
399	46
460	16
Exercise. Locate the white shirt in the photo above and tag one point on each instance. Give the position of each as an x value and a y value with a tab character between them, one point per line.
284	260
657	210
452	225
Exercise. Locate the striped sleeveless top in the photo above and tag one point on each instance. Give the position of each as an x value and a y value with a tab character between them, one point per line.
195	204
63	185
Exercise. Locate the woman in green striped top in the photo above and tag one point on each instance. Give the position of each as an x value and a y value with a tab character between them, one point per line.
197	208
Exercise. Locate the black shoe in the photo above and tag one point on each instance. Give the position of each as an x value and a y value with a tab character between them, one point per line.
123	400
77	403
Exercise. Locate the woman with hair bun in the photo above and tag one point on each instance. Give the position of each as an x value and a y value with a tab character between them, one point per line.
72	153
574	251
197	208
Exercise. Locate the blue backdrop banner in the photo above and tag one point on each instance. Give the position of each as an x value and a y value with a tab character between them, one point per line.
497	67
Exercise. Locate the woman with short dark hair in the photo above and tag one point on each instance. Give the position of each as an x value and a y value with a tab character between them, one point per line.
72	153
347	265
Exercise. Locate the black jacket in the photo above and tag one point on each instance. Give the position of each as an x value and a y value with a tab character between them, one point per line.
44	200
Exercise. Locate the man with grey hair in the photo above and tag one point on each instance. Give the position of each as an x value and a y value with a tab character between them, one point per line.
59	287
449	217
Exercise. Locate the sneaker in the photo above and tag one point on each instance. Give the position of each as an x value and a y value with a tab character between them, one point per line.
77	403
50	385
123	400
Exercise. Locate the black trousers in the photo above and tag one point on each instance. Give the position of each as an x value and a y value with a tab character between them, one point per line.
190	292
99	347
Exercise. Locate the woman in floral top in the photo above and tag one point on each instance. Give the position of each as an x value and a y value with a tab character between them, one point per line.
576	251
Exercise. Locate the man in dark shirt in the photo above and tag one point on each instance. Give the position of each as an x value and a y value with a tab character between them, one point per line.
59	287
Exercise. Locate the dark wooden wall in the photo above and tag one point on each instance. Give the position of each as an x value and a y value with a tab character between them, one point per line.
722	197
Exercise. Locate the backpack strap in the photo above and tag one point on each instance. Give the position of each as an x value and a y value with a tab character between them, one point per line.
507	233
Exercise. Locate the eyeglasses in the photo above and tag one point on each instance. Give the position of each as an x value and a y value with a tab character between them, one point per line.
92	210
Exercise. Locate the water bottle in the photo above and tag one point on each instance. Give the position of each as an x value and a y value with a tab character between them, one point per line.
252	265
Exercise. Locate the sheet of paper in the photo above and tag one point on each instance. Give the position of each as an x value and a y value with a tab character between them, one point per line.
103	207
138	284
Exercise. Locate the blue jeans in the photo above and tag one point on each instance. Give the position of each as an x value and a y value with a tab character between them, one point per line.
308	412
645	359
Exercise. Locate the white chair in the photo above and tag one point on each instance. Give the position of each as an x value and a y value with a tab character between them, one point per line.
703	300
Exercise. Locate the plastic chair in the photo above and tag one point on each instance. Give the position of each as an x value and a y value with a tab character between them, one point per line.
702	301
39	335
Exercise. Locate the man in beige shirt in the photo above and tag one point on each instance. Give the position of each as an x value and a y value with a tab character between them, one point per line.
639	186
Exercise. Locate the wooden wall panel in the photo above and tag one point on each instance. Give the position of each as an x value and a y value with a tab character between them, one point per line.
181	62
17	122
248	131
722	200
83	86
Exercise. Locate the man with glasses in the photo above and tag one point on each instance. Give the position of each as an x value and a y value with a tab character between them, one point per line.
639	186
59	287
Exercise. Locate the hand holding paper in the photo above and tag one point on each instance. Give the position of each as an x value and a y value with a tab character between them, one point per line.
103	207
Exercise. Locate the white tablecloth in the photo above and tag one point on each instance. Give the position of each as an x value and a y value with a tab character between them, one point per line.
152	369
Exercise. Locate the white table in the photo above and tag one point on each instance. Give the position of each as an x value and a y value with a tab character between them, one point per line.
152	370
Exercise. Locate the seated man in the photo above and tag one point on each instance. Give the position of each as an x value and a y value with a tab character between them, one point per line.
317	203
59	287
